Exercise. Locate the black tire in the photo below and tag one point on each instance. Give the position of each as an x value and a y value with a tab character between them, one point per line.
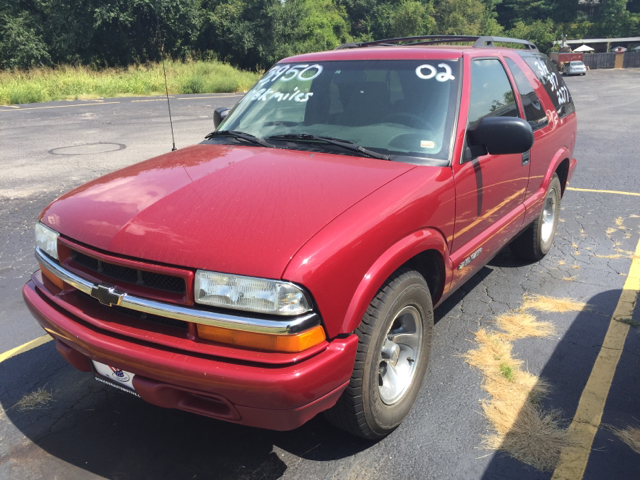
361	410
531	244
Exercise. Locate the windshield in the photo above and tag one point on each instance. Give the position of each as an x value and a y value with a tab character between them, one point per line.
400	108
577	64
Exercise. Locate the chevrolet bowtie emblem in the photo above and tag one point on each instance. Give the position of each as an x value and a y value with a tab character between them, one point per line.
106	294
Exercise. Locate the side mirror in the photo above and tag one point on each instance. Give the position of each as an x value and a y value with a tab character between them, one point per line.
500	136
219	114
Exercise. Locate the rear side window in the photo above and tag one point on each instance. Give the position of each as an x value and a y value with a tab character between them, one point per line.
551	81
533	111
491	92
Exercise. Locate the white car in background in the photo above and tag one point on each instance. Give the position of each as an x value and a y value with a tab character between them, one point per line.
575	67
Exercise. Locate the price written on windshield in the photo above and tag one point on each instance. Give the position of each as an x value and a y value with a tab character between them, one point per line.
562	92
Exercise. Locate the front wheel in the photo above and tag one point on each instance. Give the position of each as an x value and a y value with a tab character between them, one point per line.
536	240
393	353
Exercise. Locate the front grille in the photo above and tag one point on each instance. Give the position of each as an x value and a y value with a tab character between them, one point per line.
168	322
158	281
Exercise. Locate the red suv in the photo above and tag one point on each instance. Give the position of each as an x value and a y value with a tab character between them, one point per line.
290	263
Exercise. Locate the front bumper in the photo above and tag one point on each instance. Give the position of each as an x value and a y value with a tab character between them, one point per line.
279	397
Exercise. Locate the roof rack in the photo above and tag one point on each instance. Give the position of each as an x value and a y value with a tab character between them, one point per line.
479	41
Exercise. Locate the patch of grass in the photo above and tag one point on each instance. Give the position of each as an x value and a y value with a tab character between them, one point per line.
34	400
506	371
552	304
520	325
71	83
629	435
521	427
536	438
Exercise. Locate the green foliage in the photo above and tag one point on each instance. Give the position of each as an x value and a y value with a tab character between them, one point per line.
300	26
542	33
46	84
614	20
255	34
461	17
404	19
20	44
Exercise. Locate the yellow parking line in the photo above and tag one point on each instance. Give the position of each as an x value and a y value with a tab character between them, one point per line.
617	192
583	428
10	106
60	106
25	348
163	99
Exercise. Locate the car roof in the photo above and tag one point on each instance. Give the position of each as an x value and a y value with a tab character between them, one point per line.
382	53
412	48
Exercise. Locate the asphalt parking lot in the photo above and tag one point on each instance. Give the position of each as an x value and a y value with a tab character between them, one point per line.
87	430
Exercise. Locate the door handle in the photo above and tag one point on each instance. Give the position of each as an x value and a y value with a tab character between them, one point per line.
526	158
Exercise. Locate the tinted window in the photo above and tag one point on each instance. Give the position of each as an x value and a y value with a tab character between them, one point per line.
533	111
551	81
491	92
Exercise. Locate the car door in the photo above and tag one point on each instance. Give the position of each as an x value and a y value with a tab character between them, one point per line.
490	188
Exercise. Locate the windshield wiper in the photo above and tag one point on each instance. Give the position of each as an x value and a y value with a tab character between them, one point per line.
332	141
241	135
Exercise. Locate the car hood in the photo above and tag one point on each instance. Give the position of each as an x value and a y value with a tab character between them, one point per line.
233	209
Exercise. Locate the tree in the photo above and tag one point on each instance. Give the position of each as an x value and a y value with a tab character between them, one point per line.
21	46
541	32
461	17
613	19
301	26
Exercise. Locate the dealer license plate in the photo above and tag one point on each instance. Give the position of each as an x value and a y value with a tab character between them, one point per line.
118	378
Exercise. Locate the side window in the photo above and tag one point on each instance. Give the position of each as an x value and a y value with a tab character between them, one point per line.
491	92
551	81
533	110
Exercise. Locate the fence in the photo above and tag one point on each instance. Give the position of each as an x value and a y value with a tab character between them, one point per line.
599	60
631	60
608	60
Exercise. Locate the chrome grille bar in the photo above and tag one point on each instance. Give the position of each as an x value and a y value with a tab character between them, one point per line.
186	314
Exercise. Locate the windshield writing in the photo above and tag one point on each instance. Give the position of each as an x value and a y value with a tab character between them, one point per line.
397	108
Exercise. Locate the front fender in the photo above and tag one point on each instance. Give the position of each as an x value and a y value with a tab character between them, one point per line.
396	256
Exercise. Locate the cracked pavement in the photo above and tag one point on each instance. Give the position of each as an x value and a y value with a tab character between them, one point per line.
92	431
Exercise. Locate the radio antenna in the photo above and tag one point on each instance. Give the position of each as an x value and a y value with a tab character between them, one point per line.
164	71
173	139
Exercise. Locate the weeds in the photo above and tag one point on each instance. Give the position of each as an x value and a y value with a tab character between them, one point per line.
629	435
521	427
628	321
34	400
552	304
71	83
507	371
520	325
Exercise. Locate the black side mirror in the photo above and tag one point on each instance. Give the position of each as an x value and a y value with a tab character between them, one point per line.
500	136
219	114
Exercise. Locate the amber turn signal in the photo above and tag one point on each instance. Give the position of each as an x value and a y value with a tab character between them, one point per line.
293	343
52	278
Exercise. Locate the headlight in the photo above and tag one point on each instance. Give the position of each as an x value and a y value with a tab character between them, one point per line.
250	294
47	240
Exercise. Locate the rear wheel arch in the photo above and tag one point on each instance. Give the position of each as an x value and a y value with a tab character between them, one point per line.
563	173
